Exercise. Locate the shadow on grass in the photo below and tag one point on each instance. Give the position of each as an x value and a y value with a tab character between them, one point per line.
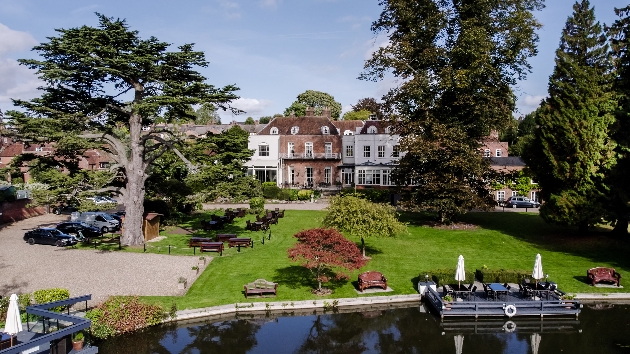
417	218
582	279
369	250
299	277
598	245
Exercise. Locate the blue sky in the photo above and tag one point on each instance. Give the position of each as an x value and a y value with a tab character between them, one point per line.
272	49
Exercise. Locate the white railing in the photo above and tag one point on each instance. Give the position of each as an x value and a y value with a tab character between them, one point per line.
332	156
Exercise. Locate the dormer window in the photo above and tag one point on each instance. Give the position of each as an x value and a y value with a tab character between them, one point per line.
146	128
325	130
388	129
348	132
274	131
295	130
372	130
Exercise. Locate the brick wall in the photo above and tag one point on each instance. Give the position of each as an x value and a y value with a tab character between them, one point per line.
18	210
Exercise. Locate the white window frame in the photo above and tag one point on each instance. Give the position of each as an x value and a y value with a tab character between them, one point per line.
263	149
308	149
372	130
295	129
381	151
349	150
327	174
328	151
367	151
514	193
486	153
498	153
386	179
500	196
396	151
39	149
146	128
273	131
348	132
290	149
325	130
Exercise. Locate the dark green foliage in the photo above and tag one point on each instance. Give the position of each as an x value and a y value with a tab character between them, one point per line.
265	119
456	62
502	275
49	295
288	194
618	206
207	114
369	104
445	276
271	192
572	152
304	194
257	205
373	195
249	121
524	135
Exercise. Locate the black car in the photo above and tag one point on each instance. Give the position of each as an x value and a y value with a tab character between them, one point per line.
80	229
64	209
521	202
49	236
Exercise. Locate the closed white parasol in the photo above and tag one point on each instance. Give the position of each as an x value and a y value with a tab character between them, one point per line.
538	271
535	342
460	274
459	343
14	323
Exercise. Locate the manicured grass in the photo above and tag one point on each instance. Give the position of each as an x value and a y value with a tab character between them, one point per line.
501	240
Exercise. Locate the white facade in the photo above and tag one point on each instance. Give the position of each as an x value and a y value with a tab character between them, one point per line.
265	161
375	157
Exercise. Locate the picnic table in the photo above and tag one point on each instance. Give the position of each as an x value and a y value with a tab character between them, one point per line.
212	247
224	237
197	241
497	290
238	242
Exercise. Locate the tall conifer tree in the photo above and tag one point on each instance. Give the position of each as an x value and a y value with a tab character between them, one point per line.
619	202
572	151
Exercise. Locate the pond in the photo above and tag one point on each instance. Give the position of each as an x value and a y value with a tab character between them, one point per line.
600	328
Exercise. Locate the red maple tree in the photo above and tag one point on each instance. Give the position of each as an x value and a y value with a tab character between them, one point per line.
326	253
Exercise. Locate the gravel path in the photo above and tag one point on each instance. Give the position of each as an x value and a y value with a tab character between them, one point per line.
25	268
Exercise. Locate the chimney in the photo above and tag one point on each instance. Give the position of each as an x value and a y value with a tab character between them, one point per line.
326	112
494	134
256	122
310	111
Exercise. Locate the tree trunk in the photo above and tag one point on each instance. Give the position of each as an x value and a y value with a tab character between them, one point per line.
621	227
136	176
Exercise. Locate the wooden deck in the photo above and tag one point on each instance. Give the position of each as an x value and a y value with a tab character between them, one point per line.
480	306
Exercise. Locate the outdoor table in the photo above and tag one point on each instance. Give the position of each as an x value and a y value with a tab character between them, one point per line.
498	289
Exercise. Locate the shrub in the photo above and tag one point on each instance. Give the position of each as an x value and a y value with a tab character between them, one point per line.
269	184
304	194
257	205
446	276
123	314
373	195
502	275
271	192
49	295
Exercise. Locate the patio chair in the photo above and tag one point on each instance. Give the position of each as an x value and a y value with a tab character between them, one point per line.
248	226
472	291
505	285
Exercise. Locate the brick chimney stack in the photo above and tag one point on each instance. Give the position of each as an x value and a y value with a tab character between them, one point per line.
326	112
310	111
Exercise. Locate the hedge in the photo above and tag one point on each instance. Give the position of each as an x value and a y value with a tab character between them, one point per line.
446	276
502	275
373	195
123	314
49	295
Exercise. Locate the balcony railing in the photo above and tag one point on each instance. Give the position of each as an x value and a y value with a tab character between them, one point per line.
312	156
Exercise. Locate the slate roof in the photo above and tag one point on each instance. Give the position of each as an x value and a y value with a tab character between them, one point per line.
306	125
379	124
508	161
350	125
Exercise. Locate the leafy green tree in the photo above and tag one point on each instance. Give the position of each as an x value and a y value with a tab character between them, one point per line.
359	217
207	114
369	104
572	151
316	99
102	85
618	205
249	121
357	115
524	134
265	119
456	62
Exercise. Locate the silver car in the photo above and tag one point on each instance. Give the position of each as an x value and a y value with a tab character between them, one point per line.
521	202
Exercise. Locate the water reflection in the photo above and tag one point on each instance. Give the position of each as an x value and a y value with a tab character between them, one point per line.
385	330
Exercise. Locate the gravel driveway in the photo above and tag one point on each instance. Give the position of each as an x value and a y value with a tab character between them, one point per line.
25	268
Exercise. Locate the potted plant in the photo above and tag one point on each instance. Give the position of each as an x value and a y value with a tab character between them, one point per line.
447	299
77	341
196	269
202	260
181	283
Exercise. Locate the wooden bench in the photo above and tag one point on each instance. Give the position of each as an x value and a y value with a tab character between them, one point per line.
212	247
260	287
197	241
370	279
244	242
599	274
224	237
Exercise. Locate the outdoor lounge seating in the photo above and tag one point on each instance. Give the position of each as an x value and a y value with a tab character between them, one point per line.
599	274
260	287
370	279
5	341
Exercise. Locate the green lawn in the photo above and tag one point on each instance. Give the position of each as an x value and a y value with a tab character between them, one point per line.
501	240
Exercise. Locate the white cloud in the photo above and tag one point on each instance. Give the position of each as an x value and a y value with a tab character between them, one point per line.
532	101
251	106
381	41
355	21
16	81
13	41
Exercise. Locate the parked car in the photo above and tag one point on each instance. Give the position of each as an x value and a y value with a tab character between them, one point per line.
81	229
101	200
109	200
49	236
100	220
521	202
64	209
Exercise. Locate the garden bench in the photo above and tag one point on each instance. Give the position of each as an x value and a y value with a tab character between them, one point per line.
598	274
260	287
212	247
370	279
235	241
224	237
197	241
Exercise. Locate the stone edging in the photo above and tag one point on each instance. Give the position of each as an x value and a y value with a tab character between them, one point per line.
306	304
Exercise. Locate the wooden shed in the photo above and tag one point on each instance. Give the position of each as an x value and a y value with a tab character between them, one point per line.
151	226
